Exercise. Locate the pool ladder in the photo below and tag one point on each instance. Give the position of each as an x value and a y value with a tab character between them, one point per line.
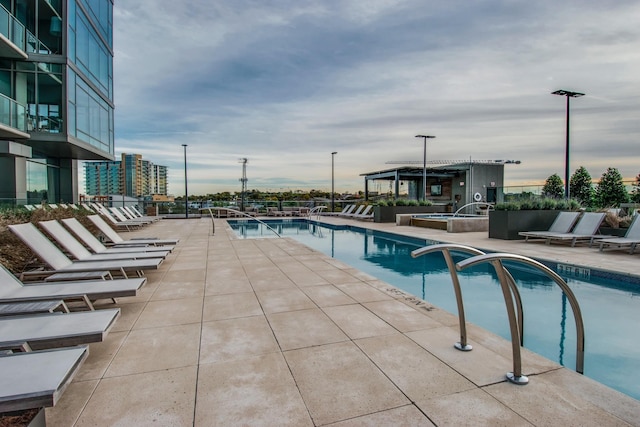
512	299
213	224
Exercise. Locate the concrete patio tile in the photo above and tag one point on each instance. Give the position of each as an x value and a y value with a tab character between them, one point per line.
552	405
401	316
129	314
161	398
69	407
358	322
327	295
623	406
254	391
472	408
416	372
359	274
532	363
170	312
304	328
337	276
270	279
279	300
338	382
219	286
236	339
404	416
154	349
100	356
481	365
306	278
230	306
194	275
178	290
313	263
362	292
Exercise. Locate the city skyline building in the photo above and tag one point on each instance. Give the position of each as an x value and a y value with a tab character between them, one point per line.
132	176
56	93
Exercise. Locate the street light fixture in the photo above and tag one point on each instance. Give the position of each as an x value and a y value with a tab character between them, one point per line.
333	154
424	165
186	193
568	94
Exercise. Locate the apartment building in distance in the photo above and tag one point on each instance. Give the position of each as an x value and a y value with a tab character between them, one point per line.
132	176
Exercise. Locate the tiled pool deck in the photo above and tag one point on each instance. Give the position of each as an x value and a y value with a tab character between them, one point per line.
271	333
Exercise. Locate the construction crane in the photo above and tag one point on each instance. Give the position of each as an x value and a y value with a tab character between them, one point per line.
243	180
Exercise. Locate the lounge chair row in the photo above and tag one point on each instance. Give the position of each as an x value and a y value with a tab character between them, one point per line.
40	353
575	227
360	212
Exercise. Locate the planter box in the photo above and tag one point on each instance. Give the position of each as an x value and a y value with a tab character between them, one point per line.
506	225
610	231
388	213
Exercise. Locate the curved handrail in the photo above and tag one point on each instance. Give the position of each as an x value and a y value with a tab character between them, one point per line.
496	260
316	210
247	215
472	204
445	248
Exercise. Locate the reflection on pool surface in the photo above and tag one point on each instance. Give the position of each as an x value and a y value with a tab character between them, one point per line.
611	310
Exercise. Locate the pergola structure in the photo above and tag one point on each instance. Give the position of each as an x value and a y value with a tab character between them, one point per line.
407	173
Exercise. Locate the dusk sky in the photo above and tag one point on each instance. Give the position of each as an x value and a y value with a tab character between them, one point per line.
286	82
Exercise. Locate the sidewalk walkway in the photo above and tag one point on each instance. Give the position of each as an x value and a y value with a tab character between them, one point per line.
269	332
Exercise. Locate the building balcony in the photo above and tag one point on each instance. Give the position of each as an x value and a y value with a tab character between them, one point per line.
13	123
12	36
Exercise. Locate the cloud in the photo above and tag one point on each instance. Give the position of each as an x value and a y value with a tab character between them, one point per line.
285	83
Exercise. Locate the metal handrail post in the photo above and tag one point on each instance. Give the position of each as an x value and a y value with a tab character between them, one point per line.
577	313
516	376
445	248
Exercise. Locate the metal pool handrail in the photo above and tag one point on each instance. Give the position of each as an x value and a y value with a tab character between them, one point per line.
316	210
496	260
243	214
471	204
446	249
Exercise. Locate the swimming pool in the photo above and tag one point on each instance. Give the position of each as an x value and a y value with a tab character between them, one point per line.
611	309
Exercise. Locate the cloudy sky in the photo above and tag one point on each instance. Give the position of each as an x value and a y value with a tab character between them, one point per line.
286	82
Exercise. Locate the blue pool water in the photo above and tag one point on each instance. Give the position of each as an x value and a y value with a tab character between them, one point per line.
610	309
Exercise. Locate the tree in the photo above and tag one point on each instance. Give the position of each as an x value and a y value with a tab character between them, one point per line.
635	193
580	186
611	190
553	187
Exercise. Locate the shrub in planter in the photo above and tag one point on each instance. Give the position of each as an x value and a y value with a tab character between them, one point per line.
402	202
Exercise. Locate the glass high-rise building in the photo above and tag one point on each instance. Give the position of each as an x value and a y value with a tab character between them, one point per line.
56	95
132	176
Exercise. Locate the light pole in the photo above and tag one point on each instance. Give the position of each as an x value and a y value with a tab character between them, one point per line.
333	155
424	165
568	94
186	193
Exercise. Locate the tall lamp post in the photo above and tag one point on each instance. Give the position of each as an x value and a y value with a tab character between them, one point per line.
424	165
333	155
186	193
568	94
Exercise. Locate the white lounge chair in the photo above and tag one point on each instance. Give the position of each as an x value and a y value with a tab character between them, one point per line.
114	237
58	330
75	248
562	224
630	240
96	245
51	255
37	379
365	214
357	212
12	289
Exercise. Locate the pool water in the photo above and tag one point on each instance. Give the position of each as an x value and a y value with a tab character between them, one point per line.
610	310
